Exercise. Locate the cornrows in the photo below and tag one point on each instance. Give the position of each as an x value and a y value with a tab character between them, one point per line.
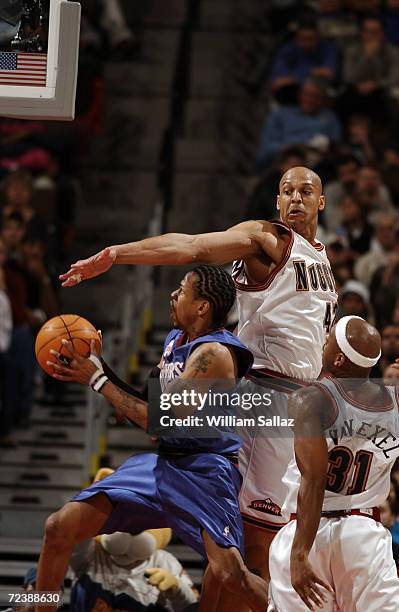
215	285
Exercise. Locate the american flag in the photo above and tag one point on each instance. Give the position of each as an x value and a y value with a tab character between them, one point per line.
23	69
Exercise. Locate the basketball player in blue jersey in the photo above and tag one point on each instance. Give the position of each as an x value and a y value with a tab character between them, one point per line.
190	485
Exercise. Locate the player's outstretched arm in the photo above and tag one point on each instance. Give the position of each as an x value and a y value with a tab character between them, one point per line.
245	240
312	460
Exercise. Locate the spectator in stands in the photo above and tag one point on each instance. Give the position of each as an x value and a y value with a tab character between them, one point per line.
336	22
335	191
13	230
5	309
370	72
354	300
384	288
371	193
308	55
387	516
283	13
309	123
354	226
390	19
19	360
395	316
18	191
389	346
5	335
364	7
382	248
340	259
42	299
358	139
30	294
388	157
391	374
262	202
27	145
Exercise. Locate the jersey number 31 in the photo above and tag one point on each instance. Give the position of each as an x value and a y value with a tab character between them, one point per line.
340	462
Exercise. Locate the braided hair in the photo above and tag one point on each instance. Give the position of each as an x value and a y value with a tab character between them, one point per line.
216	286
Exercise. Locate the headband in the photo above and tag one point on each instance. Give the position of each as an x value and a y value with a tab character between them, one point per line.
347	349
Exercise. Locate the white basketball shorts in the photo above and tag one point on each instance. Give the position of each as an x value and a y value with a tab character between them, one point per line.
353	554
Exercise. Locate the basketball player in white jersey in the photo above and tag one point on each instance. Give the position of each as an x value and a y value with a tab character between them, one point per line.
335	552
286	303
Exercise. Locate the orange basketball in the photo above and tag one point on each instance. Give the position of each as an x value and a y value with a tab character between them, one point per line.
74	328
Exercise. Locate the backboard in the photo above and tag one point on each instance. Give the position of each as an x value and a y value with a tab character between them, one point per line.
38	67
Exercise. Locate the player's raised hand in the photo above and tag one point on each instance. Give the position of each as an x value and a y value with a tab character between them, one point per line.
89	268
306	582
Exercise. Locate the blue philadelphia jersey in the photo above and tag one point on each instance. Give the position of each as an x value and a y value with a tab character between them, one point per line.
175	355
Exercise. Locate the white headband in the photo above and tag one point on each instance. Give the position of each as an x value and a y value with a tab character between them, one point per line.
347	349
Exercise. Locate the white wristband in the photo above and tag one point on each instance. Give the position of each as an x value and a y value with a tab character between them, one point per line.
98	372
98	385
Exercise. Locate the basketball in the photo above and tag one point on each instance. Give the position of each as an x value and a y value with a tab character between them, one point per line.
70	327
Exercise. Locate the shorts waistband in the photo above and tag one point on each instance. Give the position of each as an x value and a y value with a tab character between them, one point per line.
275	380
171	454
373	513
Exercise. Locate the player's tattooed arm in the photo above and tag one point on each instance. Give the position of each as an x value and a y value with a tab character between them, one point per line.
126	406
210	366
80	369
202	362
311	453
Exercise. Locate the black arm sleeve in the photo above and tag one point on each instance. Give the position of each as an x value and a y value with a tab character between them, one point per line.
140	394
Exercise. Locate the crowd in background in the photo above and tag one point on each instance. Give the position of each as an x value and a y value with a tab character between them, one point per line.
40	184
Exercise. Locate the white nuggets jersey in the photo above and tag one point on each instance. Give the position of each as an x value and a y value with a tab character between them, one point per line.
284	320
362	447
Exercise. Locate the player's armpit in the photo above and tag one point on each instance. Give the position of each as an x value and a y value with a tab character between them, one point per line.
265	238
307	407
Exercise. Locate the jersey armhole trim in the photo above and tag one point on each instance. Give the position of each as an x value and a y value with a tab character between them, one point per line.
384	408
333	405
274	272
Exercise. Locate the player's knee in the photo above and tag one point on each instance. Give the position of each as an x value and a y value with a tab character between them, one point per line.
56	532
